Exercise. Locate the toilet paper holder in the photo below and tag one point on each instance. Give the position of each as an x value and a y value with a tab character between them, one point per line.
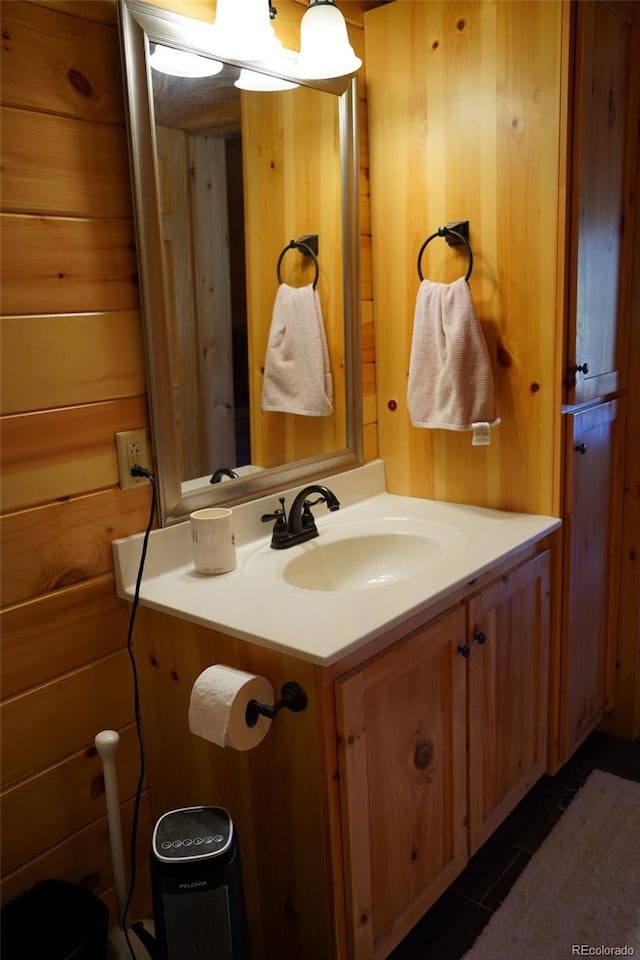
292	696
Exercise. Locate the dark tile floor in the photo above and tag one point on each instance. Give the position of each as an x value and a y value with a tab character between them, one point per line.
450	927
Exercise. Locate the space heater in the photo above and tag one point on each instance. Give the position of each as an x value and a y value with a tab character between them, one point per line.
196	883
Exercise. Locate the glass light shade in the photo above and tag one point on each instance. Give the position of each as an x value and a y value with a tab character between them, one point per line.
243	30
262	82
181	63
325	50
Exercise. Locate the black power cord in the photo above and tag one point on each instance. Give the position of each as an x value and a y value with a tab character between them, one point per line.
137	472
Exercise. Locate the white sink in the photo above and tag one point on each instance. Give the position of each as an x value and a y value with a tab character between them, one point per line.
358	555
357	563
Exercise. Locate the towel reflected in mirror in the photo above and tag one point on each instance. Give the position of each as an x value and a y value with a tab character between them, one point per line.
297	370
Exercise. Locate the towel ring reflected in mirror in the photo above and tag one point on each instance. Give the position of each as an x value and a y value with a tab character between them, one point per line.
307	251
458	239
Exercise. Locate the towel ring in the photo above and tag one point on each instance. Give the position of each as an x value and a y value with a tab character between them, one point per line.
306	249
443	232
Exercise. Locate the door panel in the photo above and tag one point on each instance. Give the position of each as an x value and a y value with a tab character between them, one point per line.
401	724
586	579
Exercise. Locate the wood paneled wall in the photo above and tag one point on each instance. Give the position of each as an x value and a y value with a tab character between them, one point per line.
72	375
463	99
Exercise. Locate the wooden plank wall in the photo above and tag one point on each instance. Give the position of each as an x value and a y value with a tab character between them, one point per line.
72	375
464	101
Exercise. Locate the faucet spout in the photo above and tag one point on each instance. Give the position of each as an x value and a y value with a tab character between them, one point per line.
300	512
223	472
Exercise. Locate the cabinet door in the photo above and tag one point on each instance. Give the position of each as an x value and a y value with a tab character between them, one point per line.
605	137
587	577
508	682
401	726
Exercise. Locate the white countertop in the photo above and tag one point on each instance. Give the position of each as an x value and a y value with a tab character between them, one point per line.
255	603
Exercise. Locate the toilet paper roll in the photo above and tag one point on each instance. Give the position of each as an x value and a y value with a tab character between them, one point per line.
218	705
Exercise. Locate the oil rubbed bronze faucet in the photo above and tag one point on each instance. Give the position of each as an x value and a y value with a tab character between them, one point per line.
300	525
223	472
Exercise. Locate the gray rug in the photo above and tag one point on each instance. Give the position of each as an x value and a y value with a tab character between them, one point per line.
580	893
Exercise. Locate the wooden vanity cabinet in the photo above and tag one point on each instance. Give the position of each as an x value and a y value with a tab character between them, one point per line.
439	738
355	815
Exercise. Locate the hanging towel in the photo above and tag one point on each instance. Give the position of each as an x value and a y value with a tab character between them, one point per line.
450	378
297	374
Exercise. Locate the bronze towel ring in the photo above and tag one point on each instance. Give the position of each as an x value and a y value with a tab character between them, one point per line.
458	238
306	249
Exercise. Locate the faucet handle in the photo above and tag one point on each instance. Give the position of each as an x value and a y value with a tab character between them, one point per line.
276	515
280	528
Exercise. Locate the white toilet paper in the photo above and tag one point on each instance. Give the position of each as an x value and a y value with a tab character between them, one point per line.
218	705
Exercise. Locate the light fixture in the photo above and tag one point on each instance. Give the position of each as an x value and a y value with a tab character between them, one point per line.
243	31
262	82
181	63
325	50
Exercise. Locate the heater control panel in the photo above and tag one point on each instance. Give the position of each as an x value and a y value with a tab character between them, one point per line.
193	833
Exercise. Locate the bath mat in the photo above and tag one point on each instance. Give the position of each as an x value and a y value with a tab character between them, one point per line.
580	893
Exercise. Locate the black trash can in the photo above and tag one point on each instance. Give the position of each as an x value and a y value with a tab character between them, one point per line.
57	920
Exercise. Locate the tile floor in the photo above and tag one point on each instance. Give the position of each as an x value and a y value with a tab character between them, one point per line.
450	927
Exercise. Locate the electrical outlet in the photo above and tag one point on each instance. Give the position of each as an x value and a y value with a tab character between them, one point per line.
133	450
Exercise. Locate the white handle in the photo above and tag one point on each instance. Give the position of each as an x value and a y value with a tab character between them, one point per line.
107	744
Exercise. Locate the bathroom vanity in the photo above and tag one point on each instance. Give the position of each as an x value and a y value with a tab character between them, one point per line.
427	703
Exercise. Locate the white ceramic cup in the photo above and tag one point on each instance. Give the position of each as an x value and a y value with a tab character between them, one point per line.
213	541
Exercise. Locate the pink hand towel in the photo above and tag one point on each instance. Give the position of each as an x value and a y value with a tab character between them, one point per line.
450	378
297	373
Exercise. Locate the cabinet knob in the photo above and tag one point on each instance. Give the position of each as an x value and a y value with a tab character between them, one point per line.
580	448
480	637
464	649
573	369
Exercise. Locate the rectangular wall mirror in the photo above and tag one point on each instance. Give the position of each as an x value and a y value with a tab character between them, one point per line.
223	180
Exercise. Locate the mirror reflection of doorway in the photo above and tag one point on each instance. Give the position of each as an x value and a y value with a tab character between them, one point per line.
237	272
202	207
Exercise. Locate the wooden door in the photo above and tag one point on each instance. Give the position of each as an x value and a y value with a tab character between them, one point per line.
605	142
402	767
585	665
507	693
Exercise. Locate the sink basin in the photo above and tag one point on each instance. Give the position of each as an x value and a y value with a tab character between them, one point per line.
358	563
358	555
